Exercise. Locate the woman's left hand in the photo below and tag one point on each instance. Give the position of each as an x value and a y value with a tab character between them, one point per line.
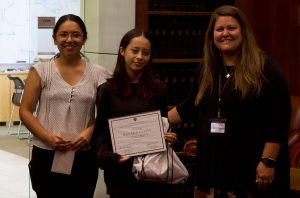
264	176
82	141
170	137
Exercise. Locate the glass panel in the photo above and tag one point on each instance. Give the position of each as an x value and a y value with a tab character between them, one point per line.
19	45
19	34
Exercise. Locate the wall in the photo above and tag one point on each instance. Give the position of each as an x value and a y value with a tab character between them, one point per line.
276	25
107	21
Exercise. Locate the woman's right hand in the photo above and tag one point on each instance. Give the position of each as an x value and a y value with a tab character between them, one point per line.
56	142
170	137
123	159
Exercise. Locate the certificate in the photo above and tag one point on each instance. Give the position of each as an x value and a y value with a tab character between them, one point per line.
137	134
63	160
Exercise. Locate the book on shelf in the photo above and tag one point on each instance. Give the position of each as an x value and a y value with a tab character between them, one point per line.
187	5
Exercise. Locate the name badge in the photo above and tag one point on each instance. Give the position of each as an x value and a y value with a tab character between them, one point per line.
218	125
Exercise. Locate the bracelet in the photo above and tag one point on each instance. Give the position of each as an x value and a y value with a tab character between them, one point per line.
269	162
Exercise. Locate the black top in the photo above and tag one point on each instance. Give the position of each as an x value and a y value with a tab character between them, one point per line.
228	161
119	177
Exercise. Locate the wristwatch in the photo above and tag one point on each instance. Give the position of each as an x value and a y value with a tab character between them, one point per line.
269	162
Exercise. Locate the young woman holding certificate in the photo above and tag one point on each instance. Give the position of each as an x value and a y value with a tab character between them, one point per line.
131	90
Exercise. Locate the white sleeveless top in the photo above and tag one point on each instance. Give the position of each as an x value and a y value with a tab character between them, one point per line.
66	108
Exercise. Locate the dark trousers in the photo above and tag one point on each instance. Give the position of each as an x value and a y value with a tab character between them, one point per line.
152	190
80	184
268	193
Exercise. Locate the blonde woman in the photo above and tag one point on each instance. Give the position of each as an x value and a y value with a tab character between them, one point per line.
240	103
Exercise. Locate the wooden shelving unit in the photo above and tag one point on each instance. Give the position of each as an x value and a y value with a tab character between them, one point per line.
178	13
177	30
179	60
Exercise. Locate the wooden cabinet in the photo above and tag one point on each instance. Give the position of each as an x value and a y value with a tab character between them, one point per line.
6	90
177	29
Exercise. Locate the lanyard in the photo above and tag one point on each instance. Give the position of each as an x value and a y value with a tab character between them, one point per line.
220	92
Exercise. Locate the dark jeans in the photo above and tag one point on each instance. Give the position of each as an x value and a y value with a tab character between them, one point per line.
81	183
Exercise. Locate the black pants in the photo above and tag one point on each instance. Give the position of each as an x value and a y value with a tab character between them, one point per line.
152	190
237	195
80	184
269	193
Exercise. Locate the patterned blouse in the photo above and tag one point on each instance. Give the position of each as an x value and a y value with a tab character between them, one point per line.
66	108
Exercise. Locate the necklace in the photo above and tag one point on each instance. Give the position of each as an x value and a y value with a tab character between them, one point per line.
228	73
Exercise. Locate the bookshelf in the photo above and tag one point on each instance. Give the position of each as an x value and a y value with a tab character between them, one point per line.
177	29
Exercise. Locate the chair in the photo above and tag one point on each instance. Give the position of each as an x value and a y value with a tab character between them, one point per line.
16	100
294	146
294	133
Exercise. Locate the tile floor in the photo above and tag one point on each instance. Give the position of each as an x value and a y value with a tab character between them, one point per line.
14	176
14	179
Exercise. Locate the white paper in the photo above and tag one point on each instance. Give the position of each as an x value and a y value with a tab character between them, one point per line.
63	160
137	134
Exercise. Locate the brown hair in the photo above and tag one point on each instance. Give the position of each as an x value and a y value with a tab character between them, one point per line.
248	70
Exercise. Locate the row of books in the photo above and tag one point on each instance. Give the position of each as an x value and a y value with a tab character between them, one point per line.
187	5
185	132
178	79
177	37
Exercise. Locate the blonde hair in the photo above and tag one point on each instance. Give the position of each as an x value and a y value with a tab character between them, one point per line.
248	70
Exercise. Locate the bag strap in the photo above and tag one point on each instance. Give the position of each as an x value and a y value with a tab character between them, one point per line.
172	165
167	177
142	174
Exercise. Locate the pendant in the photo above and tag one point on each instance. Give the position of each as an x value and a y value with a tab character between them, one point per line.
227	75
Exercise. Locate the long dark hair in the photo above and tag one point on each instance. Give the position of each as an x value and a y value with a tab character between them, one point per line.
148	85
